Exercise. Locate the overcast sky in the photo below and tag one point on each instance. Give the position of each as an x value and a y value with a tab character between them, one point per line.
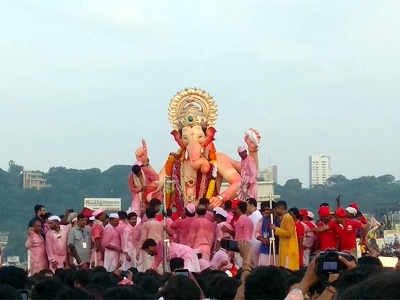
81	82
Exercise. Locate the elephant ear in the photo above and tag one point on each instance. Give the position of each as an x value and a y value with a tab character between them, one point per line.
178	138
210	134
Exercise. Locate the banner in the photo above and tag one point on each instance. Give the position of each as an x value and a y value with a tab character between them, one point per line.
107	204
4	238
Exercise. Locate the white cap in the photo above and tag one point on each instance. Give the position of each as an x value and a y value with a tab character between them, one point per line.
310	214
114	216
54	218
220	211
92	218
351	210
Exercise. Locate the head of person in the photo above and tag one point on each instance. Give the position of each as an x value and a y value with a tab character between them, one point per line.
14	277
205	202
341	216
266	283
241	208
132	218
281	208
46	290
150	247
324	213
201	210
242	152
251	205
180	288
100	215
136	169
155	204
220	215
82	221
265	209
190	210
176	264
150	213
40	210
114	219
228	205
123	216
37	226
351	212
76	293
54	223
8	292
294	212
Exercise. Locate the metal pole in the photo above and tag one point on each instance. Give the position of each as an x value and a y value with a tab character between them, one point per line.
167	188
272	249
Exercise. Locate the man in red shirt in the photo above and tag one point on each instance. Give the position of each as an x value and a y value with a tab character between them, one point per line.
348	234
328	231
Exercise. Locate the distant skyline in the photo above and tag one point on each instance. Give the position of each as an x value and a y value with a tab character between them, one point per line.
81	82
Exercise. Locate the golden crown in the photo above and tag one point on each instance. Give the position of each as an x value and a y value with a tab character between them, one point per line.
192	107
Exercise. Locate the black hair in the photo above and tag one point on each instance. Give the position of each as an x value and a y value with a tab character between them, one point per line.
8	292
265	205
188	214
266	283
47	215
149	243
131	215
80	217
149	281
14	277
204	201
176	263
222	287
68	294
281	203
324	204
154	202
369	261
295	211
228	205
120	292
222	218
385	285
201	210
252	201
150	213
122	215
46	290
136	170
82	277
242	206
180	288
37	208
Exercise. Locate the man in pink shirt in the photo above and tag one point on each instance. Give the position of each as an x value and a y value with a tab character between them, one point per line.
244	227
151	229
248	172
174	250
37	250
180	226
112	244
128	243
56	243
97	257
203	233
123	222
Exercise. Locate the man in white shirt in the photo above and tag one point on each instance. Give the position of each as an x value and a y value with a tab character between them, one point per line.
255	216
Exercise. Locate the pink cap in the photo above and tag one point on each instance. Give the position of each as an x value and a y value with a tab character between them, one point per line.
241	149
97	212
191	208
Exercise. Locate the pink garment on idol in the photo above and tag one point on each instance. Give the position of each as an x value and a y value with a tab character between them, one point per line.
178	250
221	260
56	247
203	236
128	246
248	185
38	258
152	229
243	229
111	257
180	228
97	233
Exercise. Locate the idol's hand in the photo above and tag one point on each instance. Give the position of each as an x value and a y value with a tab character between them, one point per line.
216	202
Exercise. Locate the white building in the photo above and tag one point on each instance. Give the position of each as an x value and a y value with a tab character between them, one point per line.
320	169
34	180
269	174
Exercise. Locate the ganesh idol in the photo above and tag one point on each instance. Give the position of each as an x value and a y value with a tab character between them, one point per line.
196	169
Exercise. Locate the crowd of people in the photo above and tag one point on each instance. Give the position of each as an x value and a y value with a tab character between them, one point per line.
227	253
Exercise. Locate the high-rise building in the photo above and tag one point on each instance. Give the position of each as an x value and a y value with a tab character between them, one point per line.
320	169
269	174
